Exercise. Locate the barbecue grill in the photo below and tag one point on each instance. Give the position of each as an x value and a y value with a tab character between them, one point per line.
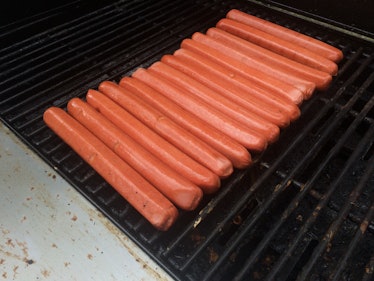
303	211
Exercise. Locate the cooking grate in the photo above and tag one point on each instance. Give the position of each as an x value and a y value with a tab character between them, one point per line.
304	211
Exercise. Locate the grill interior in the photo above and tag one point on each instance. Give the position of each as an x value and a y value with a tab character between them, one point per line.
304	211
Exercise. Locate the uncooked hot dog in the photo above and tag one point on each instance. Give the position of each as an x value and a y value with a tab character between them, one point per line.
320	78
277	45
144	197
176	188
168	129
249	138
162	149
314	45
264	81
235	152
217	101
237	81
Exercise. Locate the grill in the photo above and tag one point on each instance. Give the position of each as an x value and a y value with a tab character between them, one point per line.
303	211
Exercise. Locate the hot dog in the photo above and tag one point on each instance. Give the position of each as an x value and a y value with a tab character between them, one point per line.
200	73
277	45
249	90
265	69
163	150
176	188
264	81
248	138
235	152
144	197
235	58
220	102
321	79
169	130
287	34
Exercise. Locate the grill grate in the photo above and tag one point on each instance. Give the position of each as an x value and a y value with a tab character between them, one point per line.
304	211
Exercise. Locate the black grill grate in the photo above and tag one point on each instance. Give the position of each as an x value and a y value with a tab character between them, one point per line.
303	212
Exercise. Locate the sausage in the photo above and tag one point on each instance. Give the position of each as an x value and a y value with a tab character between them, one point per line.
221	103
265	69
231	57
235	152
320	78
249	90
176	188
287	34
277	45
144	197
249	138
264	81
163	150
202	74
181	138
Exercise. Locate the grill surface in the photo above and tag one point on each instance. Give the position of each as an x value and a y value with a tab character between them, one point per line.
304	211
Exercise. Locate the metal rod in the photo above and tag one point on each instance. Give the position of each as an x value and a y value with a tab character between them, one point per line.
330	233
361	230
295	202
81	50
311	219
28	42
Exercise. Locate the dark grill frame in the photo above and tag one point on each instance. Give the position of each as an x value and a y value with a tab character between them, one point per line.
288	217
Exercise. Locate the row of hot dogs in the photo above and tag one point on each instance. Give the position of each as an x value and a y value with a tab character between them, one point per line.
166	135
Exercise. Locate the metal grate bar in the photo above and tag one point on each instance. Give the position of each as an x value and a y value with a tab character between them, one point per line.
25	112
305	189
203	214
345	209
361	230
31	41
284	183
84	38
80	29
369	270
324	201
82	50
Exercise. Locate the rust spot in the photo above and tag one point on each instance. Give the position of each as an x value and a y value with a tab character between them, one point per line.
213	256
15	268
66	264
364	226
289	182
74	218
54	246
5	275
9	242
2	261
256	275
197	238
23	247
277	187
233	257
237	220
45	273
89	256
